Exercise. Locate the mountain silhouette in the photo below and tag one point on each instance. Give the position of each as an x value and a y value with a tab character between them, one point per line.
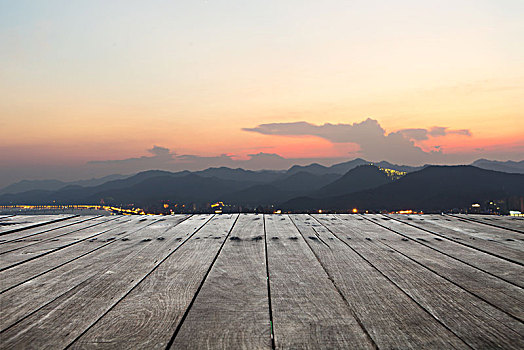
280	190
507	167
53	185
259	176
360	178
433	188
342	168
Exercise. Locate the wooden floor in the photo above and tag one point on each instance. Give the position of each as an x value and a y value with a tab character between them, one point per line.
248	281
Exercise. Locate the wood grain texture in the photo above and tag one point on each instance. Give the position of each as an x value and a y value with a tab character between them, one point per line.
33	234
495	235
41	290
335	281
490	240
512	223
231	310
150	322
27	253
23	222
476	322
308	311
109	233
503	295
74	225
70	314
15	221
392	319
24	272
496	266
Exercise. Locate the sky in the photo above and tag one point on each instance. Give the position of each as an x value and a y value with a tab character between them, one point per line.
91	88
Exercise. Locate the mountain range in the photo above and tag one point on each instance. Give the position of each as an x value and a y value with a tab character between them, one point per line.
432	189
353	184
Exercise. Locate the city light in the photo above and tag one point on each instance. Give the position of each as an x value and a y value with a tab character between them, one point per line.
132	211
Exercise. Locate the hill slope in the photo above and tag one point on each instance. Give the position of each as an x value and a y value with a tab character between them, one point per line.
433	188
360	178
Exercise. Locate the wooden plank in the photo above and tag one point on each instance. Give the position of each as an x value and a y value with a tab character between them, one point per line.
508	222
476	322
391	318
308	311
22	219
66	317
502	295
31	252
231	311
489	240
503	269
77	224
21	222
36	292
33	234
495	235
150	322
24	273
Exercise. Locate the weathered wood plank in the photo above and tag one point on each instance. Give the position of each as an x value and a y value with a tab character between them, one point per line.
308	312
150	322
503	295
36	292
231	310
9	222
493	265
109	231
507	222
391	318
477	230
35	251
156	284
21	222
24	272
65	318
476	322
454	230
34	234
44	236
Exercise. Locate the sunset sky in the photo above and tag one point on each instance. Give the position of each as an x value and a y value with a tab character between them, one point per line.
91	88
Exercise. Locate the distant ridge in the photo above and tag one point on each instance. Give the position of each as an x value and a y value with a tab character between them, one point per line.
260	176
433	188
366	186
507	167
360	178
51	185
342	168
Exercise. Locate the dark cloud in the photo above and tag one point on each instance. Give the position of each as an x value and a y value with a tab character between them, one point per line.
337	133
374	142
436	131
159	151
415	134
443	131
